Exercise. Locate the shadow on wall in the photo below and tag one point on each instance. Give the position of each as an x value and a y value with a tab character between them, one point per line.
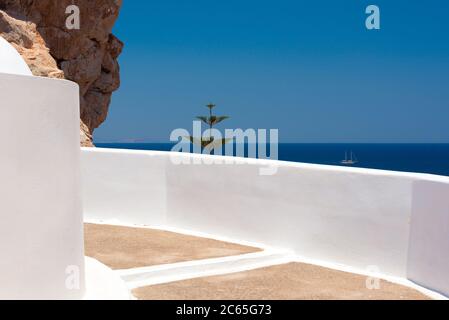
428	259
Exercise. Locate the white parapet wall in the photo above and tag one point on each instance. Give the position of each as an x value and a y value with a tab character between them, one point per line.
127	187
393	223
41	241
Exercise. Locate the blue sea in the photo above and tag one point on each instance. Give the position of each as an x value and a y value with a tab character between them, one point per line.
423	158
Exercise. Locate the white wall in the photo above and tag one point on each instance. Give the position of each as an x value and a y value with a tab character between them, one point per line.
40	210
355	217
428	258
127	187
11	62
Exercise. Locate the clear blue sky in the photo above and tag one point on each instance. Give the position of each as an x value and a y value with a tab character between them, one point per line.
308	68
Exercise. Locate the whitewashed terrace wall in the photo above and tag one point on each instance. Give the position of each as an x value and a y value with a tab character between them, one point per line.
127	187
398	222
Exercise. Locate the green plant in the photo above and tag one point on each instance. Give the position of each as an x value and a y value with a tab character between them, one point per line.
211	120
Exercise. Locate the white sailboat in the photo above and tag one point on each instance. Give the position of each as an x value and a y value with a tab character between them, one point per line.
351	160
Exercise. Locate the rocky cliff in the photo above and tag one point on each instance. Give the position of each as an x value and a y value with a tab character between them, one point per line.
88	55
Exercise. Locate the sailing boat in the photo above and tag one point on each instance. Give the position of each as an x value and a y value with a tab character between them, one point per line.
352	160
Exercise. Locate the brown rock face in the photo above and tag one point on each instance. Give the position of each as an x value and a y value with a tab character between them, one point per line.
88	55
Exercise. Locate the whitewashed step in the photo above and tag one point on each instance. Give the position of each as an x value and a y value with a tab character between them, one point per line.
145	276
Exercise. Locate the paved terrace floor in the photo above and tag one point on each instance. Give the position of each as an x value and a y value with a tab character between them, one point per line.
125	247
292	281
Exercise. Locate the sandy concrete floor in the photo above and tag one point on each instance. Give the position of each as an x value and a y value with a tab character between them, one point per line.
124	247
293	281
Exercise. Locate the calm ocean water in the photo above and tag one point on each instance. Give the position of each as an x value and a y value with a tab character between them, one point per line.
425	158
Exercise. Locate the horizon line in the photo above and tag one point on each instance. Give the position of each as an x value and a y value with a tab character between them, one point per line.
340	142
